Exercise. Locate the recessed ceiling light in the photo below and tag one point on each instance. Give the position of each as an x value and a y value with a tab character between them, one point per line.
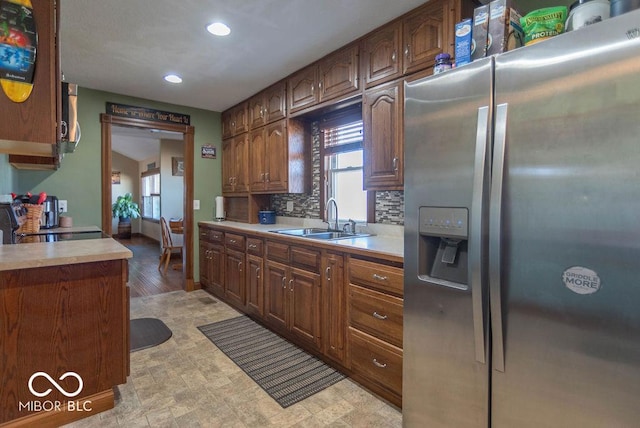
173	78
218	29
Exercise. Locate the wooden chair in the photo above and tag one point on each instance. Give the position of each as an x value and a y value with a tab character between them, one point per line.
167	245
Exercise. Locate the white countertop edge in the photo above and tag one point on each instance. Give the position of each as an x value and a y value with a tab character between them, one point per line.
43	254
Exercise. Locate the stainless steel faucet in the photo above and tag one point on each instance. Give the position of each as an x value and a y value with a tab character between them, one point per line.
326	213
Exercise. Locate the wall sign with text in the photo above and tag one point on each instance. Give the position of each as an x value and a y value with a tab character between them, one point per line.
208	151
147	114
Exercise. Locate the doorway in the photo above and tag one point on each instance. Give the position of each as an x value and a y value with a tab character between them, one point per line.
107	123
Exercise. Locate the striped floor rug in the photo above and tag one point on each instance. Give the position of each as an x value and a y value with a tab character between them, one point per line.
287	373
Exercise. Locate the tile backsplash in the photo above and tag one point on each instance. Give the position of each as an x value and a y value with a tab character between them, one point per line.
389	204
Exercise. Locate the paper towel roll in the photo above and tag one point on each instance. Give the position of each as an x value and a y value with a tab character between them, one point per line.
219	208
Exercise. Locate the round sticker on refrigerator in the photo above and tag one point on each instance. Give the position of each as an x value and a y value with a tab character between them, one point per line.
581	280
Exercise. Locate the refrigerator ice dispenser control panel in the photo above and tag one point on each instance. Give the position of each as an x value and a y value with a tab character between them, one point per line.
444	221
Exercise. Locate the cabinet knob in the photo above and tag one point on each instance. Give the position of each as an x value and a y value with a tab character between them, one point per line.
291	285
258	272
266	177
406	51
393	56
284	285
328	273
239	266
395	164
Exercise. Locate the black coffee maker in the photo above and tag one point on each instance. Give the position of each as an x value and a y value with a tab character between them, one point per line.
11	217
49	213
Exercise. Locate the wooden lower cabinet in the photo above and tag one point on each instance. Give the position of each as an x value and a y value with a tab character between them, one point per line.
255	285
347	309
292	302
234	284
57	319
335	307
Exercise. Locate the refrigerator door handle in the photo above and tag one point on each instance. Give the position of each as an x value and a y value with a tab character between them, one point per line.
475	238
495	224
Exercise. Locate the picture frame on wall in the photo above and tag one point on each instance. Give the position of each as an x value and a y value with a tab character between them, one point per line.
177	166
115	177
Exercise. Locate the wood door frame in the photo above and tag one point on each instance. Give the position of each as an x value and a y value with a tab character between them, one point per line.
107	122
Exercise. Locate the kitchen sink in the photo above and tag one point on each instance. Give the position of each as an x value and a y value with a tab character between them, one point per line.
319	233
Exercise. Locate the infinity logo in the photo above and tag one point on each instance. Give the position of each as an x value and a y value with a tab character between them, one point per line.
55	384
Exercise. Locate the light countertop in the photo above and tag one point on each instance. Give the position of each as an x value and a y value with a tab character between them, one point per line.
389	245
41	254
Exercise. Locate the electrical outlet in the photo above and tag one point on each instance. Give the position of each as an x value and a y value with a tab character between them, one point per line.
62	206
196	204
289	206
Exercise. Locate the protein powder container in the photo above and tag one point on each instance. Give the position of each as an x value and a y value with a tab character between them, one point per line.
618	7
443	63
586	12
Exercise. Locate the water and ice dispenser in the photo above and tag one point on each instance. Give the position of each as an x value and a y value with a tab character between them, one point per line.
443	246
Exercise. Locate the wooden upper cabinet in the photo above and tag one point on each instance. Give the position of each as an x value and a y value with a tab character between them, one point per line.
338	73
268	153
424	35
235	121
276	102
268	106
302	90
411	43
35	119
382	55
334	76
382	115
235	165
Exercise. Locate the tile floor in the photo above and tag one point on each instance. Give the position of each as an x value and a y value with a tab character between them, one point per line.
188	382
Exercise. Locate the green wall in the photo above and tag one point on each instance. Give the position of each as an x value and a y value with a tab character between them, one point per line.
79	177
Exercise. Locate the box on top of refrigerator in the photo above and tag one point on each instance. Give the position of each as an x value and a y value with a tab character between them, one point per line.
505	32
480	32
463	42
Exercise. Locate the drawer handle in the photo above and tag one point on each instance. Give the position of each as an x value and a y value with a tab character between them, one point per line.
380	317
284	278
253	246
379	277
382	366
232	241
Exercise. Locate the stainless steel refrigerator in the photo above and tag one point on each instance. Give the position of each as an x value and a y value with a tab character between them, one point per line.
522	237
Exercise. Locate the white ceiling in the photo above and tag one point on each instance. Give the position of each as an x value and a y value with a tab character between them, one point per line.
127	46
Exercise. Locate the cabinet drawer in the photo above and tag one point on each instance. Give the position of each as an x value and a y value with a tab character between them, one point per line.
305	259
255	246
213	236
380	277
376	313
234	241
379	361
277	251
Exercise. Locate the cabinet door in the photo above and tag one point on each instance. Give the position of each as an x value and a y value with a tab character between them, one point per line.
339	73
276	102
257	155
235	277
423	36
302	88
228	165
241	164
275	304
383	143
276	157
240	119
382	56
304	306
334	303
216	269
255	289
35	119
227	124
205	280
257	111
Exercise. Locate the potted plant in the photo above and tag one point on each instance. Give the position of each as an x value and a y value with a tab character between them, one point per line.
125	209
